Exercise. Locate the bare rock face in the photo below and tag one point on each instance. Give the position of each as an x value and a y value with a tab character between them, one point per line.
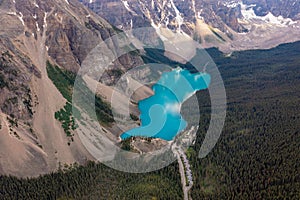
16	71
228	24
32	32
70	33
287	8
230	17
173	14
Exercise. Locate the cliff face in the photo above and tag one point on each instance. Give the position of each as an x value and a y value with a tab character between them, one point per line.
287	8
174	14
228	24
32	142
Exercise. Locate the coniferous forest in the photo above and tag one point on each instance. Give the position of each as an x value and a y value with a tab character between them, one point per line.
257	156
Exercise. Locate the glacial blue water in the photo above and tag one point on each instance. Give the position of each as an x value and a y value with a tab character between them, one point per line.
160	114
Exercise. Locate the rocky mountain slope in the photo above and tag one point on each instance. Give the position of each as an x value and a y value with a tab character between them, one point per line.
228	24
33	32
287	8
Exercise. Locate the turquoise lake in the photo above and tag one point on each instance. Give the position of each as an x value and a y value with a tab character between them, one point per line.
160	114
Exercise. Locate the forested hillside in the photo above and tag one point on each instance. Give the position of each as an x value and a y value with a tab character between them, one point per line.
257	156
94	181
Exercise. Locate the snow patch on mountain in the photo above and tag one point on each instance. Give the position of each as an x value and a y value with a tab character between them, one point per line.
178	17
36	5
249	15
126	5
20	16
231	4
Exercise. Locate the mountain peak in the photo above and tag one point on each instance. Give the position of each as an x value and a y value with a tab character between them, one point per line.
228	24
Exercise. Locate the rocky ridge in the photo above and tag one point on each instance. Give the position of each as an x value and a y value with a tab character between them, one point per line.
228	24
32	141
